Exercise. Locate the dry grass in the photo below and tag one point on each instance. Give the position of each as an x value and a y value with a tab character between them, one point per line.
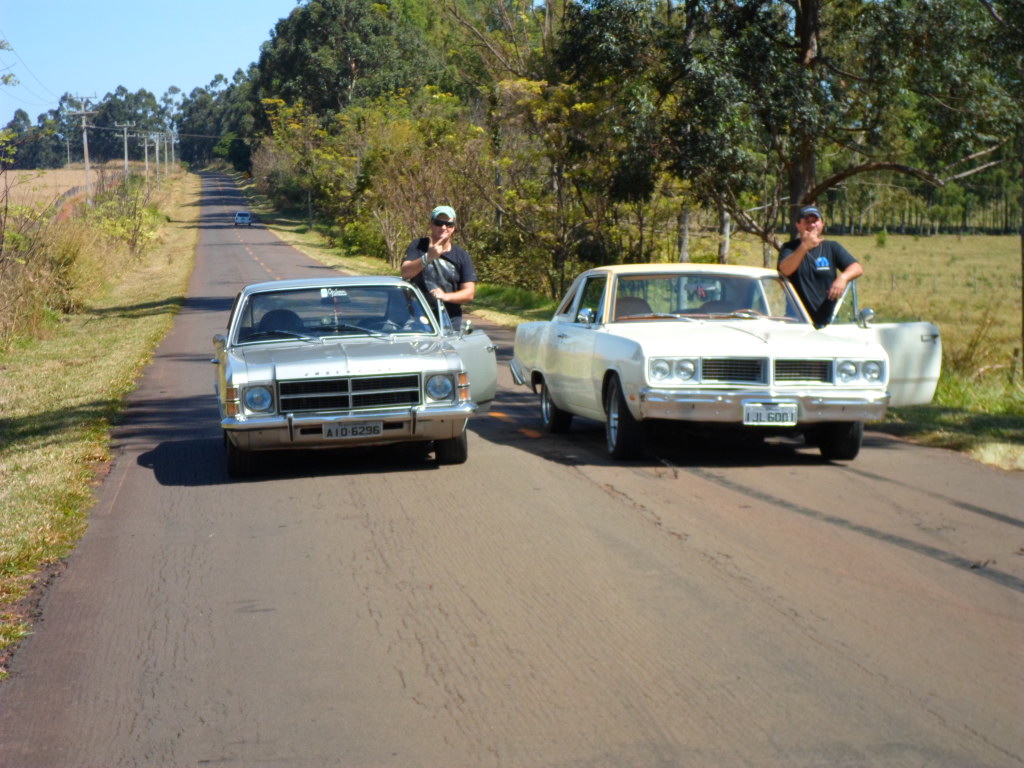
35	188
58	396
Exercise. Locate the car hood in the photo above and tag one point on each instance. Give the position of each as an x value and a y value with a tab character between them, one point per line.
302	360
742	338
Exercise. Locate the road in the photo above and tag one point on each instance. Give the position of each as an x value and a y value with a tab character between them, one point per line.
536	606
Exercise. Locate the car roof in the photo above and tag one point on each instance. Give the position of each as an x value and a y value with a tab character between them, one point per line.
323	282
683	268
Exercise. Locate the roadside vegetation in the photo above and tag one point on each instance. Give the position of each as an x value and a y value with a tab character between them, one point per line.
86	299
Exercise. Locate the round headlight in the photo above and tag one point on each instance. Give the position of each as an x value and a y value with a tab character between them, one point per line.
847	370
661	369
872	370
258	399
440	387
686	369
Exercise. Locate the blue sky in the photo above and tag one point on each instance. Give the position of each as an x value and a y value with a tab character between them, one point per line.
89	49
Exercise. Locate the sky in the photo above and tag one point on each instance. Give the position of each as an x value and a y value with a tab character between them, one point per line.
88	49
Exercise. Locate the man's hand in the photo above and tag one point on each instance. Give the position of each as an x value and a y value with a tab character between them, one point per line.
837	287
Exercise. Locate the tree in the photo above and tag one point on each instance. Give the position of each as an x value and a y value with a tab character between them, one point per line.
327	54
806	94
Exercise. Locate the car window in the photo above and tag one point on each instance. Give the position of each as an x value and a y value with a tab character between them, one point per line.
330	311
592	297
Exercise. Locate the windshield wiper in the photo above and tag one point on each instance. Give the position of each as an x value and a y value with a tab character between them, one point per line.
350	327
281	332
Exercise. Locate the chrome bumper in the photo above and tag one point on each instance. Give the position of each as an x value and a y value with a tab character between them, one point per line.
306	430
726	406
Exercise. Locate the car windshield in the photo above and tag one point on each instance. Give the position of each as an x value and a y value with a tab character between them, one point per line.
313	314
704	295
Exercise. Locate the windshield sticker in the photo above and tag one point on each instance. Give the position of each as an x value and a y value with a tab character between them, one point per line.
333	293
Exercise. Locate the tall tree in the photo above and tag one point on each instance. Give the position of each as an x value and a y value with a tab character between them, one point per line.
807	94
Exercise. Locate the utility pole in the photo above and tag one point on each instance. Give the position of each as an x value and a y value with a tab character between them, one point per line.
125	128
84	114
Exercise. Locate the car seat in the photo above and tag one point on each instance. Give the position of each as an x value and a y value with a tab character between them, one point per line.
281	320
631	305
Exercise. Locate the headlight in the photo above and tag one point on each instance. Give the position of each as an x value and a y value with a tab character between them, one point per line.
440	387
660	369
259	399
673	370
872	370
686	369
846	370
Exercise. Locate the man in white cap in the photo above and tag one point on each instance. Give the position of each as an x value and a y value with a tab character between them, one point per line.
819	269
440	268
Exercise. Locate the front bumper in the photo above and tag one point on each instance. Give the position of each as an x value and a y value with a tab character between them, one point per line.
726	405
305	431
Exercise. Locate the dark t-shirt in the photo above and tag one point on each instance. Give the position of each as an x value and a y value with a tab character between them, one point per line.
815	276
447	273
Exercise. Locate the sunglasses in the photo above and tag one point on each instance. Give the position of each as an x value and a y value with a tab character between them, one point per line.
440	223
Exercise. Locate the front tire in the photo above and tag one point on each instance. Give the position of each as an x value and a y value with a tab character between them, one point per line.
840	441
239	463
455	450
624	435
554	419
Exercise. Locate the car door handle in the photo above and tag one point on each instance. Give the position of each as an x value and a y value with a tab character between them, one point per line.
562	336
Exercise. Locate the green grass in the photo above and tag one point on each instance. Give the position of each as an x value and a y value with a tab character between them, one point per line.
60	394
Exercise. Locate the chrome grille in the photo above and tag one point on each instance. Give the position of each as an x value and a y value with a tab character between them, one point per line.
804	370
752	370
349	393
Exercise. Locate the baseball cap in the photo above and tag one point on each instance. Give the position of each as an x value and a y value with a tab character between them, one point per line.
443	210
810	210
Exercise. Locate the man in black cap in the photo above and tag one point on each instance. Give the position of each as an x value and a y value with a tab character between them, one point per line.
440	268
819	269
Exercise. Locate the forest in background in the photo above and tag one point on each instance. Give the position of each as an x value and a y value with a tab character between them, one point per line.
581	133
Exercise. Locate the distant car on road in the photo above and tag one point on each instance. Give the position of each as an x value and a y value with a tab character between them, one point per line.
243	219
346	362
717	349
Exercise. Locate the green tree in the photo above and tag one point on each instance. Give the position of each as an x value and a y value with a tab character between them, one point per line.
327	54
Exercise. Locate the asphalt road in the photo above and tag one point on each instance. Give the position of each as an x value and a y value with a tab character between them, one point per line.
537	606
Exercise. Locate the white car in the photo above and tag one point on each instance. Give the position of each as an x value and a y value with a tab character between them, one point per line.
715	348
243	219
344	362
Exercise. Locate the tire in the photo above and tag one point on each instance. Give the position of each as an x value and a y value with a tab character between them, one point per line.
554	419
625	436
239	463
455	450
840	441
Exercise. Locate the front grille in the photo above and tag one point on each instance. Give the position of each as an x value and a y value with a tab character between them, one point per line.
348	394
752	370
804	370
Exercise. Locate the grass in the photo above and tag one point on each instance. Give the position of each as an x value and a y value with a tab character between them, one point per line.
59	396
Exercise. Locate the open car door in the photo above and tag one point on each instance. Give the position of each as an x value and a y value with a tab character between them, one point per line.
478	354
914	349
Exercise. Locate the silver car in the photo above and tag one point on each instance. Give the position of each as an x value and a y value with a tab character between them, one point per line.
346	361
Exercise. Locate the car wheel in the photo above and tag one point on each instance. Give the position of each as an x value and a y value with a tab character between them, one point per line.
840	441
455	450
555	420
240	463
624	435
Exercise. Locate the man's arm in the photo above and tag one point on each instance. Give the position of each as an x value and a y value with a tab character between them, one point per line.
852	272
464	295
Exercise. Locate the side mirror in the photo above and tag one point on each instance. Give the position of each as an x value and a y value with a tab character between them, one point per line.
865	316
586	316
467	327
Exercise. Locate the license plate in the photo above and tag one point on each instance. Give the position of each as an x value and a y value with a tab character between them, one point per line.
353	430
769	414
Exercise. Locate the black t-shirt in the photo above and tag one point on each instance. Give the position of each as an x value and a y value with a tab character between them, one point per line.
815	276
447	273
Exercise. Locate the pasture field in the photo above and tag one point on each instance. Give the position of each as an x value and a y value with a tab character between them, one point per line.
45	187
